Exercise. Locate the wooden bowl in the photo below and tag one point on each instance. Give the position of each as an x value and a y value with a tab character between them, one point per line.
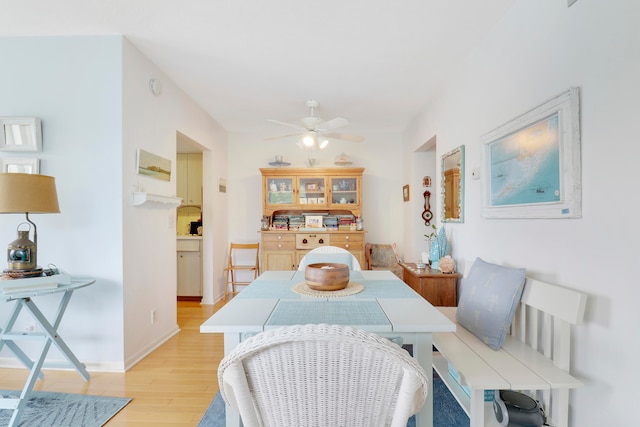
326	276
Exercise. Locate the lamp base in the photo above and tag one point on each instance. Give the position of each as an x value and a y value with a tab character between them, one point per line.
21	274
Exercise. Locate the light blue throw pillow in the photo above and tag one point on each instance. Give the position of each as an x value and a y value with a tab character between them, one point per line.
489	297
339	258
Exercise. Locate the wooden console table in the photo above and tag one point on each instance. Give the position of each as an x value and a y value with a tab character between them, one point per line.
438	288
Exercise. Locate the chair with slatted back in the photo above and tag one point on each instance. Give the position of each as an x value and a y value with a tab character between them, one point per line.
244	259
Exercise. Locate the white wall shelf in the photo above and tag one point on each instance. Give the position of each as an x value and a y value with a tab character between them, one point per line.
155	200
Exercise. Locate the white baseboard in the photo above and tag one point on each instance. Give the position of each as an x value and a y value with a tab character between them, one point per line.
131	361
99	366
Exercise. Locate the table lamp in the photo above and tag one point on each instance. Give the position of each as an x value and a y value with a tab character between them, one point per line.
28	193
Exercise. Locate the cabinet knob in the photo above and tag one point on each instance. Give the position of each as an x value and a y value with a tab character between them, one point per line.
279	245
321	241
346	246
304	241
347	237
279	237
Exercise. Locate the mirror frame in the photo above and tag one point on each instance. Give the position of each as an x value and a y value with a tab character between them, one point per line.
34	133
460	219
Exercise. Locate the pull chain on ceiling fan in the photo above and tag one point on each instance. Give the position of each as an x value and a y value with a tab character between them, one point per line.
315	131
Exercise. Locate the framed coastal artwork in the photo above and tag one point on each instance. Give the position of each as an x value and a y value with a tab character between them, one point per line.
531	165
153	166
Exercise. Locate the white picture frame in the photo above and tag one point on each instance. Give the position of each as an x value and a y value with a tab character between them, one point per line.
313	221
532	164
20	134
222	185
30	165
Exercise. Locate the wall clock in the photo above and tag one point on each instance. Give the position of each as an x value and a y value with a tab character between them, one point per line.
427	215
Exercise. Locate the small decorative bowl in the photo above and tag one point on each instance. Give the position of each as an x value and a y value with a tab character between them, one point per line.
326	276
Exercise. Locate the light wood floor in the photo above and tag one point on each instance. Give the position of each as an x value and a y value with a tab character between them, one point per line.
173	386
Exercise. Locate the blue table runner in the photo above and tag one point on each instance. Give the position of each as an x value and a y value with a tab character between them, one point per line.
331	312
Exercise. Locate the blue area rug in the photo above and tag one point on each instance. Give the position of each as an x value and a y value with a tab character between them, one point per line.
64	410
446	412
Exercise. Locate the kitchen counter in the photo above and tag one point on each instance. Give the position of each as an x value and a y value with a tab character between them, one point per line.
188	237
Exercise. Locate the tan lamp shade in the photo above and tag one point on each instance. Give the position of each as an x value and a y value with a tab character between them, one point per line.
28	193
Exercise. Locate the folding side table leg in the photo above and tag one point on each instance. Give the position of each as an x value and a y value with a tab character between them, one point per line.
50	335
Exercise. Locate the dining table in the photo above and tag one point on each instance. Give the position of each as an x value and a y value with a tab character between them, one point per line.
383	304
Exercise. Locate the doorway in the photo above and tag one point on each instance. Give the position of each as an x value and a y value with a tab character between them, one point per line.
189	225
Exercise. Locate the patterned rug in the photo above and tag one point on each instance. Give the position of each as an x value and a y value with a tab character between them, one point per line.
446	412
64	410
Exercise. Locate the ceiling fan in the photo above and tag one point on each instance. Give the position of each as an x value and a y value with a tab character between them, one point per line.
316	132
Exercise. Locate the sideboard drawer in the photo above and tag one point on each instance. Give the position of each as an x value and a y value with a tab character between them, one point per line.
278	241
350	242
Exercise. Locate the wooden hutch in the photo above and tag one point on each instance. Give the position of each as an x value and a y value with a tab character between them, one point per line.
291	195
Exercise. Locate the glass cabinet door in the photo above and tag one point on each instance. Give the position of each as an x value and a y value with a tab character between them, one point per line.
345	191
312	191
280	191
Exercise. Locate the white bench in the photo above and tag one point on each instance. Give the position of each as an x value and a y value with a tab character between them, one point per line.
534	359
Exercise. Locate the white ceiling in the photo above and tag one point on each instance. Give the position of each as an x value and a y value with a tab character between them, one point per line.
373	62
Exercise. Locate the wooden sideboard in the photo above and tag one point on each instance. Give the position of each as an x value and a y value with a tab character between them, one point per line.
440	289
283	249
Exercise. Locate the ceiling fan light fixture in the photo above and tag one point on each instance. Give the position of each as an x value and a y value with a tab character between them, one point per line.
309	140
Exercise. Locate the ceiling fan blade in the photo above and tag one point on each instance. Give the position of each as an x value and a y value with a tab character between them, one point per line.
287	124
338	122
282	136
344	136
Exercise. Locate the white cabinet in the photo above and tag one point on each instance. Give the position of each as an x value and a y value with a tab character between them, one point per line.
189	178
189	268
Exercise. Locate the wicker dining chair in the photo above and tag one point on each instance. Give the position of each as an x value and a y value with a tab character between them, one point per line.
330	254
322	375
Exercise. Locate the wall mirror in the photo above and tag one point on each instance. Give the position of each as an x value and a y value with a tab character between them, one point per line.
452	206
20	134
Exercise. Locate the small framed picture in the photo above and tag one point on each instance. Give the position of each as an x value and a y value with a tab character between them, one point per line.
311	186
313	221
154	166
312	200
303	200
321	200
20	134
20	165
426	181
405	192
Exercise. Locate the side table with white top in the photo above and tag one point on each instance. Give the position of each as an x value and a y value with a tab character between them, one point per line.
22	293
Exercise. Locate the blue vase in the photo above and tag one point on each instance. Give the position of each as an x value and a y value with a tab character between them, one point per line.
443	243
434	254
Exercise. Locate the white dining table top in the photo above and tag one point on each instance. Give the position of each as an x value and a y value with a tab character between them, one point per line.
386	304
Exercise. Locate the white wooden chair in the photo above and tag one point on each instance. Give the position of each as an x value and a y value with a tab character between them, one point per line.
329	250
322	375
